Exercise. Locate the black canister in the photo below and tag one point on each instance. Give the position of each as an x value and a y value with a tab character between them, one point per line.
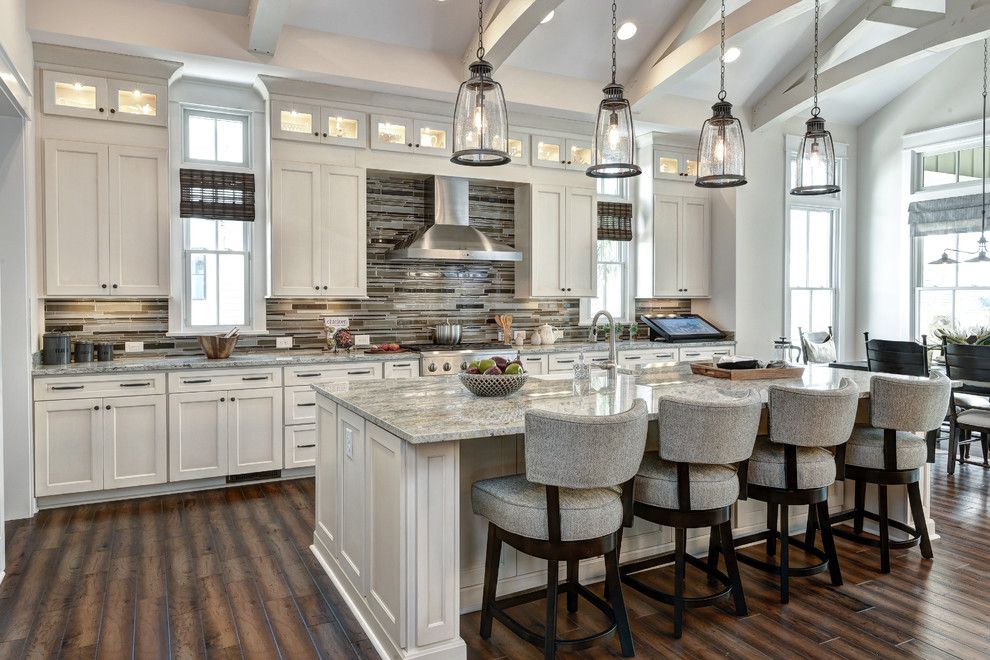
56	348
104	352
84	351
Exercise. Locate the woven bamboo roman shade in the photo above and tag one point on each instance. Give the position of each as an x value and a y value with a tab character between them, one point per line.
216	195
614	221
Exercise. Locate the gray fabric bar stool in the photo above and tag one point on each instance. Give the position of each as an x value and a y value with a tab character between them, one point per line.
794	466
889	453
570	505
692	482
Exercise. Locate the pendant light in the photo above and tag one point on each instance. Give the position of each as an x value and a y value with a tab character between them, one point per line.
816	157
981	250
613	152
481	124
721	149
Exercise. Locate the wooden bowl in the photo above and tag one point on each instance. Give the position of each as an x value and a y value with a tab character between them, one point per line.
217	347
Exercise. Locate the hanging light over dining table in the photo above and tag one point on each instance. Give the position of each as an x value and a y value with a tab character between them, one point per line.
721	148
613	155
816	156
481	123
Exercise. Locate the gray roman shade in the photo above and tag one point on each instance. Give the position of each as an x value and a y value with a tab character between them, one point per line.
948	215
216	195
614	221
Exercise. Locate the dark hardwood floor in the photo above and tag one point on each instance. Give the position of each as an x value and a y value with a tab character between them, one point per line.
228	573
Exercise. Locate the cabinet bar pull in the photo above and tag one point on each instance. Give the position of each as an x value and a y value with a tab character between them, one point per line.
313	374
564	361
255	378
306	405
305	446
692	354
404	364
135	384
359	373
59	388
633	357
198	381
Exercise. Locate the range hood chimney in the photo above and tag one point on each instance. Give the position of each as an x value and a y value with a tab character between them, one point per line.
450	237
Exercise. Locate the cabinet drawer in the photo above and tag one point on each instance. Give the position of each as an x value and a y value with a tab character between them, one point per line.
300	405
223	379
696	354
633	359
326	373
85	387
404	369
566	361
300	446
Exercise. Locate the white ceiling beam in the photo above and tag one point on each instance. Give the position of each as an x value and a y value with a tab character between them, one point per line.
266	19
506	30
951	31
904	17
691	21
693	54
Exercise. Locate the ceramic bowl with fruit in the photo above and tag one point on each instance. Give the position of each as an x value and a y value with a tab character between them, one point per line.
494	376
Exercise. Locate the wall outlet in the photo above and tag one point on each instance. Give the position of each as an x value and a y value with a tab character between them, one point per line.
283	342
133	346
362	340
348	444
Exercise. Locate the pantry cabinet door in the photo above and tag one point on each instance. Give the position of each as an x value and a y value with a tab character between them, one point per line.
134	441
197	435
580	251
546	256
139	241
344	232
254	430
77	218
695	258
666	239
68	446
297	211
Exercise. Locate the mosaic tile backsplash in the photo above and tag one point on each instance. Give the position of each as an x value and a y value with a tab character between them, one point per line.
405	298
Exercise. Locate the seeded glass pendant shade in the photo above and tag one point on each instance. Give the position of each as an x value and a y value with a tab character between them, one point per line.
613	155
721	148
816	157
481	123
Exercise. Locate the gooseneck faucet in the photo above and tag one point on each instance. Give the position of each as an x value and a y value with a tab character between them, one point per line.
593	336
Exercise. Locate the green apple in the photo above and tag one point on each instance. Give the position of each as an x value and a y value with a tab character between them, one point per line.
513	369
485	365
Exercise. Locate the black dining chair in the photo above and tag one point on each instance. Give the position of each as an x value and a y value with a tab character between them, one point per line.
968	412
905	358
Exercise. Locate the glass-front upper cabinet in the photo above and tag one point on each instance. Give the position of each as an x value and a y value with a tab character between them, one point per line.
424	136
344	127
674	163
79	95
518	148
561	153
141	103
309	122
578	154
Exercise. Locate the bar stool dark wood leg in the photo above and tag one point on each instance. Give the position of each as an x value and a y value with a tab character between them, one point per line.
920	524
492	557
884	529
680	550
732	567
618	603
572	583
713	544
771	524
550	637
785	542
860	507
809	535
828	543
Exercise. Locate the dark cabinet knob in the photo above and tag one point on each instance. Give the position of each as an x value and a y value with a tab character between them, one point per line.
232	399
222	399
324	135
316	133
417	145
317	287
103	286
101	109
569	163
113	111
325	287
568	288
96	407
115	286
108	407
409	145
563	162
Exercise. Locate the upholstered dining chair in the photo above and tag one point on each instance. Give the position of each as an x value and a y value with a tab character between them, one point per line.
969	410
818	347
570	505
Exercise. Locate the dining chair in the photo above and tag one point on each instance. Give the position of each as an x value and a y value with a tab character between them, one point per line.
969	410
818	347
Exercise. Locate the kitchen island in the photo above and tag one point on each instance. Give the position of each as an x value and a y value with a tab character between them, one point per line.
394	526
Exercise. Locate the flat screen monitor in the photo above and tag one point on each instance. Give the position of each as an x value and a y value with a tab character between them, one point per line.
681	327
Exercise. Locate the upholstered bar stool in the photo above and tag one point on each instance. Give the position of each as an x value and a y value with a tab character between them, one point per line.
889	453
692	482
794	466
570	505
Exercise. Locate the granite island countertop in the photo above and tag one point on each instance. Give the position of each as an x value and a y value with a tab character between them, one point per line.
439	409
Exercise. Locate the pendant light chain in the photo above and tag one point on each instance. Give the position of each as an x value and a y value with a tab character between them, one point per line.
983	225
613	43
481	30
815	111
721	59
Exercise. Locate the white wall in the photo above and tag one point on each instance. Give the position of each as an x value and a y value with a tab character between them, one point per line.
950	94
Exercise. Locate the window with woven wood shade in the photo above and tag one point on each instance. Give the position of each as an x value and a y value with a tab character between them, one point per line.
614	221
216	195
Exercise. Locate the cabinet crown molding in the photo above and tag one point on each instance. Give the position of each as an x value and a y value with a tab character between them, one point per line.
84	59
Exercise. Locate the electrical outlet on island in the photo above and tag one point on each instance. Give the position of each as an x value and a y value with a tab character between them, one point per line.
133	346
283	342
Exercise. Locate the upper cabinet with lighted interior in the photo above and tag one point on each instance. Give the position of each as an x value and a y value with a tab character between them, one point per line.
310	122
561	153
411	134
675	163
97	97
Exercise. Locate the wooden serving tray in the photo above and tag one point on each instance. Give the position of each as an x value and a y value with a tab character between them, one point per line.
704	369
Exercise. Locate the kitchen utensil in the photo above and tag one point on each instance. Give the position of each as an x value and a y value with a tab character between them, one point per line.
233	332
447	333
784	351
504	321
217	347
56	348
104	352
482	385
84	351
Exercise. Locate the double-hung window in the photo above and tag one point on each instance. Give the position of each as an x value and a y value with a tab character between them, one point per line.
614	268
950	296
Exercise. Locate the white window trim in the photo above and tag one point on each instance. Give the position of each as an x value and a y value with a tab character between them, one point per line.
584	307
187	284
836	203
256	312
188	110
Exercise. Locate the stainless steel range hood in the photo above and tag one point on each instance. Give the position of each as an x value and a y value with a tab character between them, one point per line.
450	236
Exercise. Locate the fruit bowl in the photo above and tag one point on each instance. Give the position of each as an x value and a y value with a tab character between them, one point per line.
503	385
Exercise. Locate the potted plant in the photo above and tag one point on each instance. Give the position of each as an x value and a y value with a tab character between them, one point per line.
633	331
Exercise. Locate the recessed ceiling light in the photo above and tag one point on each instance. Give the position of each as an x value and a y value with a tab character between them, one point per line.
626	31
548	17
732	54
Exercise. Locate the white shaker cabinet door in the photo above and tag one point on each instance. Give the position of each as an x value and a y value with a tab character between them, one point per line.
134	441
197	435
545	256
77	218
328	455
139	247
695	247
297	252
666	239
68	445
580	251
344	231
254	430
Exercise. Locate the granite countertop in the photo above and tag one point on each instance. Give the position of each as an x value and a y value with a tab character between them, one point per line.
247	359
439	409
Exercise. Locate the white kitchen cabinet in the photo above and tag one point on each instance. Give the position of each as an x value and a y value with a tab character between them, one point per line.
300	446
561	153
311	122
344	128
106	220
328	453
677	163
411	135
254	430
697	354
353	524
631	359
562	362
94	97
197	435
135	442
68	445
319	230
518	148
557	233
681	247
137	102
408	369
578	154
536	364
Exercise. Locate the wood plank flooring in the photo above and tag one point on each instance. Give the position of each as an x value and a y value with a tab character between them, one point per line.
228	573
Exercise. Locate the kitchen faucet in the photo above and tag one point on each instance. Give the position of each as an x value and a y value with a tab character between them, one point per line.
593	336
